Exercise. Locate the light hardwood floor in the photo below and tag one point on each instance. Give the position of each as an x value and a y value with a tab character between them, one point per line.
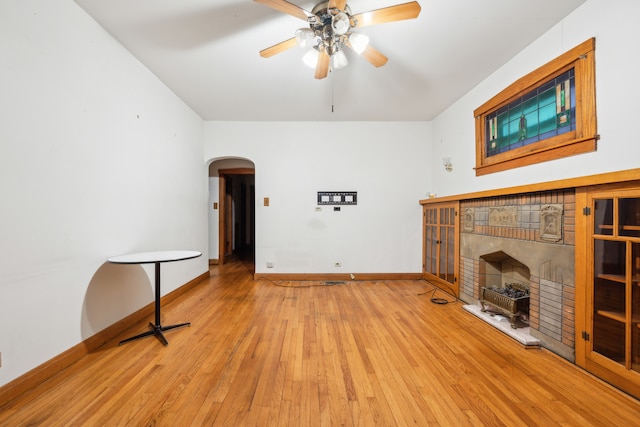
375	353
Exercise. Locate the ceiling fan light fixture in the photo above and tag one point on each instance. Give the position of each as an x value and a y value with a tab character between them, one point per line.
339	60
330	32
359	42
340	23
331	47
310	58
305	36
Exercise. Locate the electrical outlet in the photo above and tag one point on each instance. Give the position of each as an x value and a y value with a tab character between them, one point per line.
269	264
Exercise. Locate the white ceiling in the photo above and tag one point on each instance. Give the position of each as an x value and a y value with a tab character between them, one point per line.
206	52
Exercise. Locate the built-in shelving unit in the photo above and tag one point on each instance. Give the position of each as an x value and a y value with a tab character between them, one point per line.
613	295
619	316
440	245
618	278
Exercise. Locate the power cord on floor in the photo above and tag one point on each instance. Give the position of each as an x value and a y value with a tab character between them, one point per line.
433	298
282	283
438	300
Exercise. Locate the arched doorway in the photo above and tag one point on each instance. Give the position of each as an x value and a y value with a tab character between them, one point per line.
232	221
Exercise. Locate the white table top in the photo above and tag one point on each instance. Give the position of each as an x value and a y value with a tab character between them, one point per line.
153	257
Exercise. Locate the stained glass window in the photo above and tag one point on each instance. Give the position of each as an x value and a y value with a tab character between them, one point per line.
547	114
547	111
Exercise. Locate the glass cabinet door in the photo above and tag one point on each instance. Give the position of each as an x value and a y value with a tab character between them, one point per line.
634	296
616	280
447	229
431	241
629	223
440	243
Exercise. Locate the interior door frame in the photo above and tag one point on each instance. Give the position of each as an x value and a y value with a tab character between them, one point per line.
586	357
223	217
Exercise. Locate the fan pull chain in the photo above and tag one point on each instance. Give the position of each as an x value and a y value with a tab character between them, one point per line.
332	92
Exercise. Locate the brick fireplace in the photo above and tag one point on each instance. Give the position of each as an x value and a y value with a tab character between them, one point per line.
525	238
504	285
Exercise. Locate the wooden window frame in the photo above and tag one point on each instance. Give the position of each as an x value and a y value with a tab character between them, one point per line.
581	140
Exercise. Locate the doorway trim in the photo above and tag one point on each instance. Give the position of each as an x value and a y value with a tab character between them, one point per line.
223	217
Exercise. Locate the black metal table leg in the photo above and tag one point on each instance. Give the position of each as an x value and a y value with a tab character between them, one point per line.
157	328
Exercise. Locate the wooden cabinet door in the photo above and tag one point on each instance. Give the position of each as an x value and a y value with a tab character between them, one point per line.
440	250
611	339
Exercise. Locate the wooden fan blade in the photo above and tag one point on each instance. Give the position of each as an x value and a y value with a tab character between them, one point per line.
373	55
338	4
278	48
398	12
286	7
322	67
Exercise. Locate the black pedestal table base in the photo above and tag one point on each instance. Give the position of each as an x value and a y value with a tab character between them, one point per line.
155	329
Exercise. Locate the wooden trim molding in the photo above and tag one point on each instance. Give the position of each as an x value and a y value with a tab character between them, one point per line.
604	178
581	276
237	171
336	276
581	140
62	361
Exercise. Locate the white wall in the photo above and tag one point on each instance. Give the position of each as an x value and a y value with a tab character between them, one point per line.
383	162
98	158
614	25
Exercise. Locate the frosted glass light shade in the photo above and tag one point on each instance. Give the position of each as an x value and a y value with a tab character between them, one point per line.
311	58
359	42
340	23
339	60
304	36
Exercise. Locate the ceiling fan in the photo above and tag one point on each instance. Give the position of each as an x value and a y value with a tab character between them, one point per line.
330	31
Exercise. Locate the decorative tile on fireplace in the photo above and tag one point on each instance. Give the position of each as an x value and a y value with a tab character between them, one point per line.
525	238
551	223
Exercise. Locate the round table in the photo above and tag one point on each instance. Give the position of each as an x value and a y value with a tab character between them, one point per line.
157	258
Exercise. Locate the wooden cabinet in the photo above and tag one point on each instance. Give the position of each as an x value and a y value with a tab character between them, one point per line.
603	308
440	245
610	342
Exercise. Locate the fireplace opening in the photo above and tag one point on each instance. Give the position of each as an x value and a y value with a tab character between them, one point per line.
504	287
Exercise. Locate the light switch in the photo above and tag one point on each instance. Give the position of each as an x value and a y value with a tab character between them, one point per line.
266	201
